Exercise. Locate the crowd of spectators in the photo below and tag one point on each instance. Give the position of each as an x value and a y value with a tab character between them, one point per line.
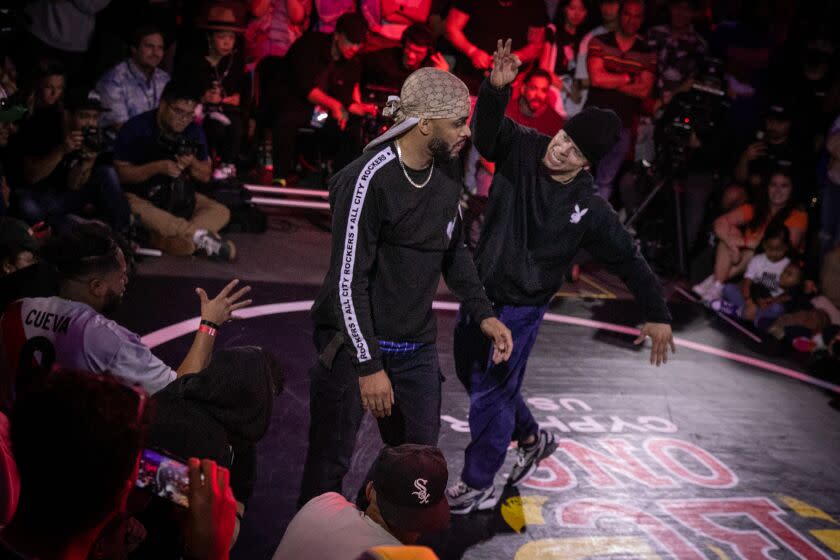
119	122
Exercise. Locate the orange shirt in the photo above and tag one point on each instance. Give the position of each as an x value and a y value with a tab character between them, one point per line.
796	220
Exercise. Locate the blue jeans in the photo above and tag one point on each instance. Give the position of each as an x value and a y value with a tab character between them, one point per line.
102	190
610	164
498	413
763	317
335	409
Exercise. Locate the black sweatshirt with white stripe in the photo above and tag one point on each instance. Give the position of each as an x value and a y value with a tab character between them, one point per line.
535	225
391	242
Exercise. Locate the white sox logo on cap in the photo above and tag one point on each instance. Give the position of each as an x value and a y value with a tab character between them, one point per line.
422	494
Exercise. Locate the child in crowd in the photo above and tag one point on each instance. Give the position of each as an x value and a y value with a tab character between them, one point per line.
769	284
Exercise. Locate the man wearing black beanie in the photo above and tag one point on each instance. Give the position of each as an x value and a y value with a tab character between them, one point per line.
543	207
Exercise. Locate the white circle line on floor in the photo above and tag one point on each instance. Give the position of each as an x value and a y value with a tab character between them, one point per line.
166	334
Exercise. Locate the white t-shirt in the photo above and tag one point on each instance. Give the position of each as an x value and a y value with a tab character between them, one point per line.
83	339
762	270
330	527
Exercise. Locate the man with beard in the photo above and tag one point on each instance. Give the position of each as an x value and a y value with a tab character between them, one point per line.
395	231
531	108
543	208
74	326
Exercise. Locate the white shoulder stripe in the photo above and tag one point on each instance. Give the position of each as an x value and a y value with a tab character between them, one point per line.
351	237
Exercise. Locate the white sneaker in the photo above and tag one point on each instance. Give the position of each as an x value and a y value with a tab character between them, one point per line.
715	291
224	171
464	499
213	246
701	288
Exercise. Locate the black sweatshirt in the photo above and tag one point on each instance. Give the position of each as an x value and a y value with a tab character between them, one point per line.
390	244
535	225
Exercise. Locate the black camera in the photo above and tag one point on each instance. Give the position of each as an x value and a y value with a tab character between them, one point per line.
174	146
698	112
92	139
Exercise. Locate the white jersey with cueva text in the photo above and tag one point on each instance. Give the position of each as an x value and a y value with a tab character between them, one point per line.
82	338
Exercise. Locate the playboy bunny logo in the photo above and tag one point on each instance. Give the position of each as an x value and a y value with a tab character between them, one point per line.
422	494
578	214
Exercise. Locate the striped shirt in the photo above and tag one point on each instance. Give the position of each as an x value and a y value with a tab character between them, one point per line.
639	58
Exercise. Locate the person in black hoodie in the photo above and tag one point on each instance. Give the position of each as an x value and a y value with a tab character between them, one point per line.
543	207
395	232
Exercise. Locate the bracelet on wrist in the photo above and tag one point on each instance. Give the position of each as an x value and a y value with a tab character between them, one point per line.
210	324
210	331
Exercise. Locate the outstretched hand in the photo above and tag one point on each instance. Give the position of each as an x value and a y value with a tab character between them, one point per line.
505	65
661	336
220	309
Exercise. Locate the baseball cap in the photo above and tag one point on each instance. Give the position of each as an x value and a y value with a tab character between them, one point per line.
82	100
778	111
353	26
410	481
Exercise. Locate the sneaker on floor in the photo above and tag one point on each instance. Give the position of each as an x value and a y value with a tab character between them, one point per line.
701	288
278	182
528	457
213	246
463	499
725	307
713	292
224	171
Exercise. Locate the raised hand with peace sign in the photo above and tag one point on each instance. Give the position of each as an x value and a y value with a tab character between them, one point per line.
505	65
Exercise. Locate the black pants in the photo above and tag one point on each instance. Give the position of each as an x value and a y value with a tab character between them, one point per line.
225	140
335	410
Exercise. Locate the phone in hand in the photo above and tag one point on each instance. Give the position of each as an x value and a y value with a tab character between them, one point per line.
164	475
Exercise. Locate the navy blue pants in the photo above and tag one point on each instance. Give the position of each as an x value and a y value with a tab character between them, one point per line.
335	409
498	413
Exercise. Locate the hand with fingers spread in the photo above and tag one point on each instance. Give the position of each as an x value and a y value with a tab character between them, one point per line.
220	309
211	516
661	336
377	393
502	339
505	65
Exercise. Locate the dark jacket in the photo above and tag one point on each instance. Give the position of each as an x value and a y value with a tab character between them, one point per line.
535	225
391	242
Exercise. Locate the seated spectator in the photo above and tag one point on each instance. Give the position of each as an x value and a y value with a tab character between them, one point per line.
679	50
220	69
622	69
608	10
158	155
277	24
94	428
406	499
560	55
46	85
18	249
772	145
770	281
531	106
741	230
92	270
10	114
324	71
388	68
134	86
389	19
61	169
474	26
828	177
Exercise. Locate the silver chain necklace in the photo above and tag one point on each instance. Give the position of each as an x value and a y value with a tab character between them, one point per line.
405	172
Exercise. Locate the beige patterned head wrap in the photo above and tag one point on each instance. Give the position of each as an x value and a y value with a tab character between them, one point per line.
428	93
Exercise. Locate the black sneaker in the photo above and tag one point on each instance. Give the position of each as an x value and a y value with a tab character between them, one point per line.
214	247
464	499
528	457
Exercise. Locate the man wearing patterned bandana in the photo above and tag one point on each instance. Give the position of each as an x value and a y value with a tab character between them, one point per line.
395	231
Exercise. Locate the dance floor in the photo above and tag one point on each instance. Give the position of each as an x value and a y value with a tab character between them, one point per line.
722	453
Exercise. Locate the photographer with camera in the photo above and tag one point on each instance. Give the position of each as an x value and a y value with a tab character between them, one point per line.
158	156
61	172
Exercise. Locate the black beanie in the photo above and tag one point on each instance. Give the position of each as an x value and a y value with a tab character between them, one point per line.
595	131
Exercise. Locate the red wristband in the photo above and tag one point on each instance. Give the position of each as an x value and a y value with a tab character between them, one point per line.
207	330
